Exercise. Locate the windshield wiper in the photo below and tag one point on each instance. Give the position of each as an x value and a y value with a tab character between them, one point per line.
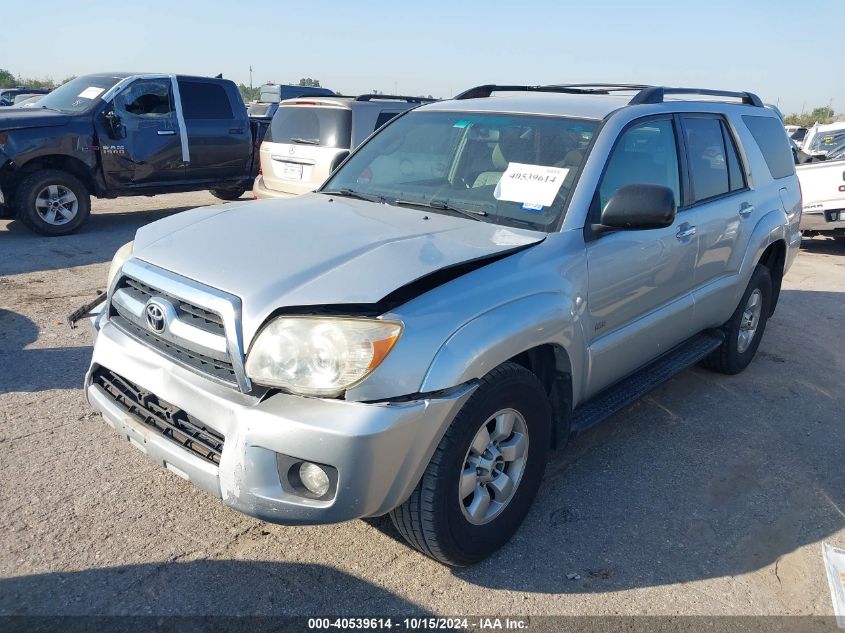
350	193
306	141
443	205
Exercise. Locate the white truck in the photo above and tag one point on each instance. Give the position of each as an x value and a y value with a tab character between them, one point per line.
823	193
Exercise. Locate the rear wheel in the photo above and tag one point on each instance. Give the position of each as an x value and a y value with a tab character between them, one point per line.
228	194
485	472
745	328
52	202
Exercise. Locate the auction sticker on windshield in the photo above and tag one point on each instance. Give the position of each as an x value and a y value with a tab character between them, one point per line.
533	185
91	92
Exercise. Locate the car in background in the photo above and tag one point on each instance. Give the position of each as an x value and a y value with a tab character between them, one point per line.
8	95
26	101
272	94
797	135
122	134
309	137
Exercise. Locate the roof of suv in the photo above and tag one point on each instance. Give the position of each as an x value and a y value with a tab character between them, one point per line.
588	101
585	106
345	101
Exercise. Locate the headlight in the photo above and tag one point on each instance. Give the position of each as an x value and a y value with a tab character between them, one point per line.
119	259
320	356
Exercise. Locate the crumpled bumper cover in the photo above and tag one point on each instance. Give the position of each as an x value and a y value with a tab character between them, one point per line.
380	450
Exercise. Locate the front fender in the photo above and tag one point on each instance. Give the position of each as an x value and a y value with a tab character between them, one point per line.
498	335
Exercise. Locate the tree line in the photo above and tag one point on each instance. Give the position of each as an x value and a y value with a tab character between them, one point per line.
8	80
823	114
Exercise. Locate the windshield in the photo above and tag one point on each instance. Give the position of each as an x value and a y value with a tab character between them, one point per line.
824	142
78	95
509	169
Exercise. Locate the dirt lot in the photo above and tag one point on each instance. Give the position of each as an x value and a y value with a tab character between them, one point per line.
711	496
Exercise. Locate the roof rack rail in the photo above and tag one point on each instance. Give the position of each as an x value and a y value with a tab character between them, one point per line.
378	97
486	90
657	94
602	88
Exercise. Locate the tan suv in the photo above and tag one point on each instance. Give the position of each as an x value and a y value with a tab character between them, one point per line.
310	136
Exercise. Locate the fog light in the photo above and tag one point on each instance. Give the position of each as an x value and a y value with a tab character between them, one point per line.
314	478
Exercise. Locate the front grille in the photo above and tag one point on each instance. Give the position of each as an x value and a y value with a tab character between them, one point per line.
170	421
198	316
189	353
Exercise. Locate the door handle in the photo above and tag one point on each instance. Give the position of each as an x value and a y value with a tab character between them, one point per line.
684	233
236	130
166	132
746	209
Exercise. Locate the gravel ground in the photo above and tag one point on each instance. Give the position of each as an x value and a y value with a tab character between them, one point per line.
711	496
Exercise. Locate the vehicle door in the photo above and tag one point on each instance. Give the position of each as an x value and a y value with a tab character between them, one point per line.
219	136
723	210
639	281
138	135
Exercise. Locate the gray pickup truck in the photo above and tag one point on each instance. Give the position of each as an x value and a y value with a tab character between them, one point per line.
479	281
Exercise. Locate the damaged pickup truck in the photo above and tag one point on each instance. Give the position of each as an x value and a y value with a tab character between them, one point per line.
482	279
120	134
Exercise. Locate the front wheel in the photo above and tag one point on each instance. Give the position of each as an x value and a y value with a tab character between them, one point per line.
233	193
745	328
485	472
52	202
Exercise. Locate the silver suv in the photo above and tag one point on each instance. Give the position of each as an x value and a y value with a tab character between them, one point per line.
482	279
310	136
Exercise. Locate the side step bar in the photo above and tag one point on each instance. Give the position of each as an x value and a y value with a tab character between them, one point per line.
639	384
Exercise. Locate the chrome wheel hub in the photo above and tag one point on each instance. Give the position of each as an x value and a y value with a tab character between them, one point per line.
750	321
56	205
493	466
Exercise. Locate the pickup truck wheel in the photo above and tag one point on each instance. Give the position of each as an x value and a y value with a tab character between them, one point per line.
484	474
228	194
52	202
745	329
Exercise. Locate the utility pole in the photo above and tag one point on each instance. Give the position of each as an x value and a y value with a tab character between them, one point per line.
250	77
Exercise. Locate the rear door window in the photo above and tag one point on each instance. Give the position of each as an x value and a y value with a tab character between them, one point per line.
736	174
203	100
312	125
708	162
771	139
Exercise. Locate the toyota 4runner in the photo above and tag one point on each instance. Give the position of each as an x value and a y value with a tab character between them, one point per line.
482	279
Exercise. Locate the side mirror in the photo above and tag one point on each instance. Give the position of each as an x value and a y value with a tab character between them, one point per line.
637	207
115	126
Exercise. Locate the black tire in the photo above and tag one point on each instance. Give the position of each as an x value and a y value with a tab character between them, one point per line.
33	185
727	358
228	194
432	520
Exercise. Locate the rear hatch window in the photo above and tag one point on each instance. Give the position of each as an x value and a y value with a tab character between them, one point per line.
311	125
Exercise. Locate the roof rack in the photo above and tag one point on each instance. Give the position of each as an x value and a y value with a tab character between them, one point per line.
657	94
645	94
377	97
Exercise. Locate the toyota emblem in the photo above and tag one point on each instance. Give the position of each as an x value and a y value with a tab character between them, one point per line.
292	149
155	316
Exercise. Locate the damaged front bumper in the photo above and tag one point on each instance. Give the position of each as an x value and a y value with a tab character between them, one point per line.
378	450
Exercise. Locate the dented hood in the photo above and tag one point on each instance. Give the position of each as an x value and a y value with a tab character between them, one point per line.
20	118
316	250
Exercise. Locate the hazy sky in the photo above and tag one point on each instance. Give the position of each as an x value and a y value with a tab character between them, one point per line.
438	47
